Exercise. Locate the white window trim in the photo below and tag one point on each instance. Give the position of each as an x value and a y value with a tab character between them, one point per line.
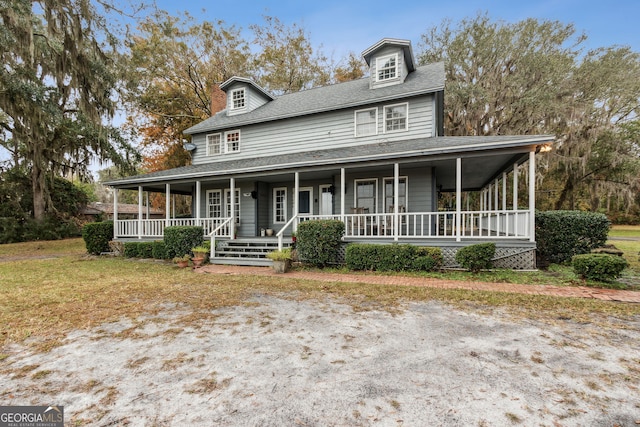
380	61
355	122
231	96
284	208
208	192
221	151
226	143
406	191
375	192
225	203
384	118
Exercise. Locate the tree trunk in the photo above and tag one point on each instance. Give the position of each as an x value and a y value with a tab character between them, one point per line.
38	186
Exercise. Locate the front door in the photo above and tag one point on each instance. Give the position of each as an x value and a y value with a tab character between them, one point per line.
305	201
326	200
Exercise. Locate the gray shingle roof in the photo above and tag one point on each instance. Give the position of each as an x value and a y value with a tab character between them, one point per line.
425	79
421	147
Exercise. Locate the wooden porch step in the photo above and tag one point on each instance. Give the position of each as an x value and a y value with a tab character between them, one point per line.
246	251
241	261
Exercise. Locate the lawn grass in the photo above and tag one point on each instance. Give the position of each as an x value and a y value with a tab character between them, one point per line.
43	299
625	231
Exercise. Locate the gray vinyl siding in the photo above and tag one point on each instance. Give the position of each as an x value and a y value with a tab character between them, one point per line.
253	99
402	68
247	225
334	129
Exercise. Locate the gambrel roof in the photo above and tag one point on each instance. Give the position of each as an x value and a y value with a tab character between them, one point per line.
426	79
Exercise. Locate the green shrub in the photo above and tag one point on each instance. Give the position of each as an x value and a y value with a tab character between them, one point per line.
600	267
318	241
433	255
180	239
145	249
131	249
393	257
159	250
562	234
10	230
476	257
97	235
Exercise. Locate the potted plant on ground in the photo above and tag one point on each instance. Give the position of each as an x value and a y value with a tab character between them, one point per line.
182	261
281	260
199	255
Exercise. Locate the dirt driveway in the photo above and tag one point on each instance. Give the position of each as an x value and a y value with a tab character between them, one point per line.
276	361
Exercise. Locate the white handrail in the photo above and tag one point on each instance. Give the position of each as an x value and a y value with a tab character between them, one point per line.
281	232
212	235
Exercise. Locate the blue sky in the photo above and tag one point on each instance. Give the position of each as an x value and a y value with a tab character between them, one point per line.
340	26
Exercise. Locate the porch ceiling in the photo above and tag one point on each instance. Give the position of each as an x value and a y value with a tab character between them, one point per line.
483	158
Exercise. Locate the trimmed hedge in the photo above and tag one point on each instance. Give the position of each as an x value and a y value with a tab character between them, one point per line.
600	267
138	249
159	250
318	241
372	257
476	257
97	235
562	234
179	240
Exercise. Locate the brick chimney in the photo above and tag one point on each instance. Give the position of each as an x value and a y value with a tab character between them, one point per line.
218	99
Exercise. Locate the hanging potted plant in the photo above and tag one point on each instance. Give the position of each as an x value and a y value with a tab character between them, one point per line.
281	260
182	261
199	255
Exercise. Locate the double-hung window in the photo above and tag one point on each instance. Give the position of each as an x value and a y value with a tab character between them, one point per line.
219	207
232	141
214	144
387	67
238	100
214	204
280	205
396	117
366	122
366	192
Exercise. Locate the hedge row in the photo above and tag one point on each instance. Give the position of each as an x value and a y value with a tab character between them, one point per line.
396	257
318	241
562	234
600	267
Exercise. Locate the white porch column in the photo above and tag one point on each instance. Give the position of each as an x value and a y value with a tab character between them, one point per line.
532	196
515	187
496	203
167	203
489	193
198	200
343	184
504	191
115	213
139	212
396	201
458	197
146	201
296	200
232	190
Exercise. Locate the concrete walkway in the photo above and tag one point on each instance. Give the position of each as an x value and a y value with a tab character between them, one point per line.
559	291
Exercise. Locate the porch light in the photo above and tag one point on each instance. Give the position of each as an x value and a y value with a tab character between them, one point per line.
545	148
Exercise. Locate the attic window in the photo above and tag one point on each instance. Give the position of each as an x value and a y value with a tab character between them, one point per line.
237	99
387	67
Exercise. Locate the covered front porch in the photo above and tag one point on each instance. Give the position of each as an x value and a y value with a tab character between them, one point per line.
485	202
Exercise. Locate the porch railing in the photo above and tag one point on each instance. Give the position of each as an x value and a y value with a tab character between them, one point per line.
154	228
507	224
501	224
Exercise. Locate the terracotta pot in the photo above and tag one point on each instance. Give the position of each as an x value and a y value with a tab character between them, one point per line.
197	262
183	264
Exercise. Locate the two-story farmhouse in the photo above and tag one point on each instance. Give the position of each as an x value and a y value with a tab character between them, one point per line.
370	152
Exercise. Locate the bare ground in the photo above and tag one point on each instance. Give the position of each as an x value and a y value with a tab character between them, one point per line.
276	361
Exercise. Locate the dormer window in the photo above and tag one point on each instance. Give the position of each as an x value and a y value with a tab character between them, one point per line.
237	99
387	67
